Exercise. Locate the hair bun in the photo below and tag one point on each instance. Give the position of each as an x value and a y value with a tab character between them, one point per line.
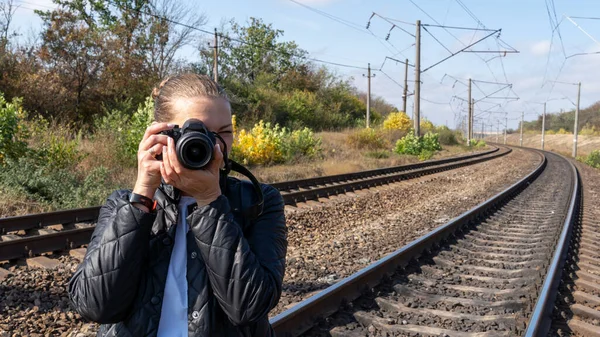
156	90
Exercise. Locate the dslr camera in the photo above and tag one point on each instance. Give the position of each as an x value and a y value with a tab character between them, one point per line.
194	144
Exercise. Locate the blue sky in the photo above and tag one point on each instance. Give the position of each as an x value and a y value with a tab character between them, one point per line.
525	26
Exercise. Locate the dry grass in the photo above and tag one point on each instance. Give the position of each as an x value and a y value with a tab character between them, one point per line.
105	154
558	143
339	158
14	204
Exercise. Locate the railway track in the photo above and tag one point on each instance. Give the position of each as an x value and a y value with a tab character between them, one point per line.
578	304
492	271
31	235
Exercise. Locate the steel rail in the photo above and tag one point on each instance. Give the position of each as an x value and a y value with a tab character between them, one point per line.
310	182
307	313
291	198
541	317
29	246
89	214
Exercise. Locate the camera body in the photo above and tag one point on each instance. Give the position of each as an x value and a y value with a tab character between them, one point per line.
194	144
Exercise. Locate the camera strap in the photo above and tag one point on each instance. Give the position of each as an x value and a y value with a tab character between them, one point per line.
256	209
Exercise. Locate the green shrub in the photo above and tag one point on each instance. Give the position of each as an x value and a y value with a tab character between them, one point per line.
431	142
53	145
138	123
425	154
593	159
58	188
13	133
369	139
301	143
424	147
447	136
477	143
126	131
409	144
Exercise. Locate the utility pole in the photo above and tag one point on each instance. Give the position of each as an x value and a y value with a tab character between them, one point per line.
498	131
405	94
482	130
522	119
470	130
216	58
543	126
369	95
576	127
505	128
417	110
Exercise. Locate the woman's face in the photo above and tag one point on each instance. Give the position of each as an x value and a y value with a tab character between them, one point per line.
215	113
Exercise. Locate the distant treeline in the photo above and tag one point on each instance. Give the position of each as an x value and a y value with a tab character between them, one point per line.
93	57
563	122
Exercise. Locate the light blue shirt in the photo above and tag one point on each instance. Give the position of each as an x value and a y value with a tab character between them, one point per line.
173	317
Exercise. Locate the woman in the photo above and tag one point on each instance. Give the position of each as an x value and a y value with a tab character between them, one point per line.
181	254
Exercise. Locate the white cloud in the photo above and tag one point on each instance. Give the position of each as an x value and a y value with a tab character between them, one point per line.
540	48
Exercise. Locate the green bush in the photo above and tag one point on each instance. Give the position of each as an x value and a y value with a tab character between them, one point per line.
126	131
447	136
431	142
53	145
477	143
13	133
425	154
424	147
301	143
593	159
57	187
409	144
369	139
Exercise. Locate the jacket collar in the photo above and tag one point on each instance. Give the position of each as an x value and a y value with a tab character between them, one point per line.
171	192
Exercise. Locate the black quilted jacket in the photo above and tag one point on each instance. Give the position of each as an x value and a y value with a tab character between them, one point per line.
235	266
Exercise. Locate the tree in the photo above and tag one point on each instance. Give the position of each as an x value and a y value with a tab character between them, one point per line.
114	51
249	51
165	38
75	55
7	11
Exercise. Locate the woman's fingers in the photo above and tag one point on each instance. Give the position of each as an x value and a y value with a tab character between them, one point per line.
217	161
154	150
155	128
175	165
152	140
169	174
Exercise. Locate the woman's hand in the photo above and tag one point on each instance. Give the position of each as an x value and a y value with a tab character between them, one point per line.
152	144
202	185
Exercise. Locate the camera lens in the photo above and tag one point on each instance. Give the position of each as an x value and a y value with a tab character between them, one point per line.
194	150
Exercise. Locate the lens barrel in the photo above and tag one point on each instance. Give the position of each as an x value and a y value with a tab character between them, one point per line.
194	150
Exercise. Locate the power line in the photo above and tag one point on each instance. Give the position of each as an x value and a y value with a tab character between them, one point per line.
391	79
390	22
461	28
433	102
236	39
438	41
342	21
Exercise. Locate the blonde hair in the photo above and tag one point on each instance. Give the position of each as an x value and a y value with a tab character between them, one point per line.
185	85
